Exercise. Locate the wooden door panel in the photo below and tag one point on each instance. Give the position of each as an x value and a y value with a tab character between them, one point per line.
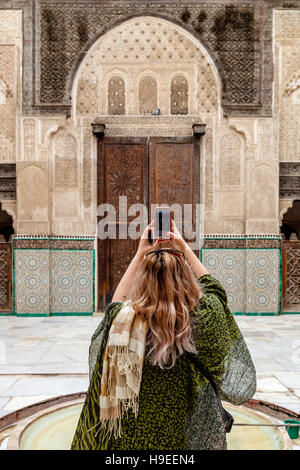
122	171
172	172
291	275
147	170
174	177
5	277
113	259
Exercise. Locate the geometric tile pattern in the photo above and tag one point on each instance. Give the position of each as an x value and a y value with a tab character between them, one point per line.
61	281
71	281
228	266
58	281
31	274
263	280
250	277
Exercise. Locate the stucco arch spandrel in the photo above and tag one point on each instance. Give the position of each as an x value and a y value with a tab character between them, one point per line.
284	206
231	131
154	40
51	132
115	71
54	131
242	131
147	71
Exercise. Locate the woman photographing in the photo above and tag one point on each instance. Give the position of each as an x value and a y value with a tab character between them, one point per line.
166	351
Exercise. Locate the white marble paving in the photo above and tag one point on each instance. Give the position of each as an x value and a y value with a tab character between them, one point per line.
270	384
5	383
33	385
290	380
277	397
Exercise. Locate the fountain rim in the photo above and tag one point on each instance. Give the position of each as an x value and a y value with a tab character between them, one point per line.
11	419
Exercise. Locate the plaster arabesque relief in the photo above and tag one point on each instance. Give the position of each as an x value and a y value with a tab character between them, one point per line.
153	52
287	95
10	83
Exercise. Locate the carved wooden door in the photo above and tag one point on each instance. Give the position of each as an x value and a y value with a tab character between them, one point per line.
5	277
291	275
150	170
122	171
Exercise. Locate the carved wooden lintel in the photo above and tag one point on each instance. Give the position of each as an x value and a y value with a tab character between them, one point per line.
199	130
98	129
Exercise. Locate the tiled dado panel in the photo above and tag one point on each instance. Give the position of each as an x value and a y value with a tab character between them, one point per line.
53	276
71	281
57	276
263	280
228	266
249	269
31	281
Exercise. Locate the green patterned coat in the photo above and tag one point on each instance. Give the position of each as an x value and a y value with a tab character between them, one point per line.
178	409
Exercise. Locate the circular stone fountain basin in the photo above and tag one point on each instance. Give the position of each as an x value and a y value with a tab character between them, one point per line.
53	429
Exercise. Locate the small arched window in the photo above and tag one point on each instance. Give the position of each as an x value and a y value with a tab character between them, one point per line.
116	96
147	95
179	95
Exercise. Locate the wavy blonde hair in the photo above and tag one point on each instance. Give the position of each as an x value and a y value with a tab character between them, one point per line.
164	292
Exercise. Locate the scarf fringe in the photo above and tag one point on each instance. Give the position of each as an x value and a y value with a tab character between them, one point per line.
111	426
130	372
121	378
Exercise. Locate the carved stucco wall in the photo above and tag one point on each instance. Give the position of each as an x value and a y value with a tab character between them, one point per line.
10	84
287	102
244	186
68	144
235	201
10	94
238	153
287	82
142	48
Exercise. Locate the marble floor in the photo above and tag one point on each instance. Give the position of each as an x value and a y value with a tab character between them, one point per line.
46	357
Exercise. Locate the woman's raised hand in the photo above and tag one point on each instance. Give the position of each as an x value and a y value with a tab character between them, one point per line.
176	238
144	245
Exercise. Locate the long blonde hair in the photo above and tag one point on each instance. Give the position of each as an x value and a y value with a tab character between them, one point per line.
164	292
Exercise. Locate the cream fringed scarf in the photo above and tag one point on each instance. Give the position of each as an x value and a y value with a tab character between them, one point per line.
122	368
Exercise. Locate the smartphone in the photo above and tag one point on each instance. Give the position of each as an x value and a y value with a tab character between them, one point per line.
162	222
150	236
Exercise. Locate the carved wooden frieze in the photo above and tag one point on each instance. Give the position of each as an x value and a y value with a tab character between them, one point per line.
289	180
7	181
5	273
